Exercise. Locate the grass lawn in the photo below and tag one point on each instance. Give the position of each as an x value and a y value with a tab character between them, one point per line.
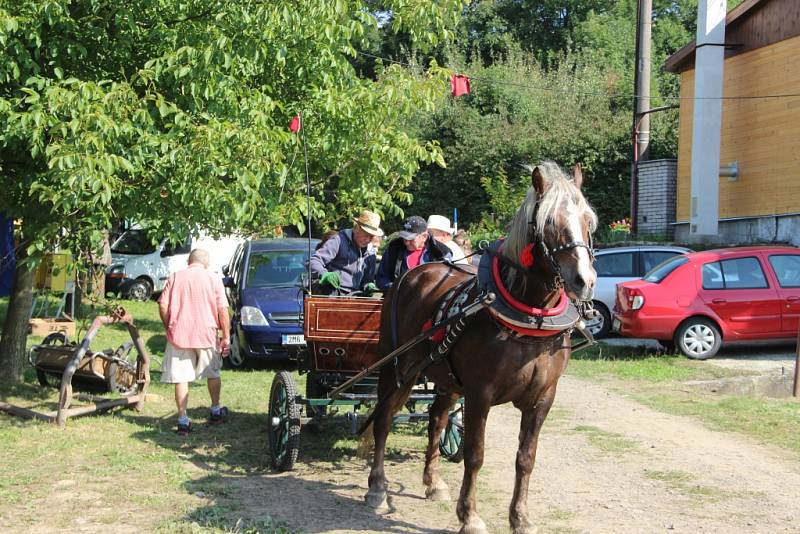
655	379
98	464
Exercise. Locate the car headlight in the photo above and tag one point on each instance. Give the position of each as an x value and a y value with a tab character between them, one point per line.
252	316
116	271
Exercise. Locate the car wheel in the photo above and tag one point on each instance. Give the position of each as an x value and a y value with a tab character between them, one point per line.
698	338
600	325
141	289
236	357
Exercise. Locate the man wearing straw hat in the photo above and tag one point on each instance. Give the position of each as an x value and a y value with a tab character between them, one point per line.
345	262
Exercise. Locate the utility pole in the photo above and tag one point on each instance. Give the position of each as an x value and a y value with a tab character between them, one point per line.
641	113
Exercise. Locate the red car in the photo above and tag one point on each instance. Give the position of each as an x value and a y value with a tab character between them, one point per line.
696	301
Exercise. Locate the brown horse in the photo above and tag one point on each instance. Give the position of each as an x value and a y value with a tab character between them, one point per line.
489	364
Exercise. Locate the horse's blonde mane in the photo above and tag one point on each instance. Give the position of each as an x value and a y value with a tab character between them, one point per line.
559	190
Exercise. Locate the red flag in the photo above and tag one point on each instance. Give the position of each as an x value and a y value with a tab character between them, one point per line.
294	126
459	85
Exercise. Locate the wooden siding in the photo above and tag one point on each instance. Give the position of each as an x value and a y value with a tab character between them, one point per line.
752	24
762	135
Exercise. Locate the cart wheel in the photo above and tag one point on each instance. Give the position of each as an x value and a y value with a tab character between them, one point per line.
56	339
284	422
451	442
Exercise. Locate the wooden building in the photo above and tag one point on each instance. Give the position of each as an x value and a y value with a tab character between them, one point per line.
761	136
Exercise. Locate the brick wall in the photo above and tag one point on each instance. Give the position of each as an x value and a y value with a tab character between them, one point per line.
656	197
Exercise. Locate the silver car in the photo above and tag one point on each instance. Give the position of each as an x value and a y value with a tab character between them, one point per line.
620	264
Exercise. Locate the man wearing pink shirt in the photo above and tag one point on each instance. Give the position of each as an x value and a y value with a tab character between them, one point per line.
194	309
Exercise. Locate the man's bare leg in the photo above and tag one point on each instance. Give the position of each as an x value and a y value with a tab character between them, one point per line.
182	397
214	389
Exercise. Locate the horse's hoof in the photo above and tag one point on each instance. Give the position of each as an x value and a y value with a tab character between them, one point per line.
476	526
437	493
376	500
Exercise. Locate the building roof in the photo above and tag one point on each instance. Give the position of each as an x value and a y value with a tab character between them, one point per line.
750	25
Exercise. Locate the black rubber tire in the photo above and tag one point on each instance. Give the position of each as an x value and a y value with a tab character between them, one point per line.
603	326
236	359
451	442
141	289
315	390
698	338
284	434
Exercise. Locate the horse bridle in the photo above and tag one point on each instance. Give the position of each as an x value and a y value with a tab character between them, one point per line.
550	253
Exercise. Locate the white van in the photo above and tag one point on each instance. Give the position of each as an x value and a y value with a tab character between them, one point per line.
138	268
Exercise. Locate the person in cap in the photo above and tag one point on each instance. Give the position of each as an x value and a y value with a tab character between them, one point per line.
413	246
344	263
439	228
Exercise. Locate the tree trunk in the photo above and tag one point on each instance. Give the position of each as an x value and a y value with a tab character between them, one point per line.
15	328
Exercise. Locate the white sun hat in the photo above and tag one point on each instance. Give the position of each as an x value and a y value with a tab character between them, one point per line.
439	222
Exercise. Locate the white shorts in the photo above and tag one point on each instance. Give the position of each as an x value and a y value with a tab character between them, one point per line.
187	365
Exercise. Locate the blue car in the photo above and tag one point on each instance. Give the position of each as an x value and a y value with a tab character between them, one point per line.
264	282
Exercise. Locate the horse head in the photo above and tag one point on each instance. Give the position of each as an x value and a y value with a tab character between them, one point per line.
555	223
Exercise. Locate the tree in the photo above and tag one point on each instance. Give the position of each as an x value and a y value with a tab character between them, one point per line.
519	113
176	112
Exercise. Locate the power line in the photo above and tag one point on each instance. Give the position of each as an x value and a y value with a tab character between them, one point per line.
610	96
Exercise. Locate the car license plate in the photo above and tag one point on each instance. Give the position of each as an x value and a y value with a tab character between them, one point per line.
615	325
293	339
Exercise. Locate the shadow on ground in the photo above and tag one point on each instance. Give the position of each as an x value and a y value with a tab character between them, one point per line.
235	462
272	501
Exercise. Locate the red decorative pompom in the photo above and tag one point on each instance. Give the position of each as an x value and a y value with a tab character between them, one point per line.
526	256
438	335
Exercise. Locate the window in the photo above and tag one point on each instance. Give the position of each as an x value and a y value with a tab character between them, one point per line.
282	268
171	249
651	258
740	273
787	269
662	270
712	276
615	264
134	242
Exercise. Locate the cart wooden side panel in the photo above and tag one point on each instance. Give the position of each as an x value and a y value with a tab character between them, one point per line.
343	332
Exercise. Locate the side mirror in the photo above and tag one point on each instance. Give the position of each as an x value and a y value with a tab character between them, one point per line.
227	281
225	270
166	252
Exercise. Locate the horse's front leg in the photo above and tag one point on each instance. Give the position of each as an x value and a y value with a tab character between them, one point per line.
391	398
435	488
532	419
476	411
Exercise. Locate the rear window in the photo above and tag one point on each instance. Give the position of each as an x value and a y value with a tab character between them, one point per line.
739	273
653	258
663	269
787	269
280	268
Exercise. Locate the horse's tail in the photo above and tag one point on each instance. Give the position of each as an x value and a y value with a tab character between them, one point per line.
367	424
366	441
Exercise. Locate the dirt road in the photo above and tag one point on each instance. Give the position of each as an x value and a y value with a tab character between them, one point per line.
605	464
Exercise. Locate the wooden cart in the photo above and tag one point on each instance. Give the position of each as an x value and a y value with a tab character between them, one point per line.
342	335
